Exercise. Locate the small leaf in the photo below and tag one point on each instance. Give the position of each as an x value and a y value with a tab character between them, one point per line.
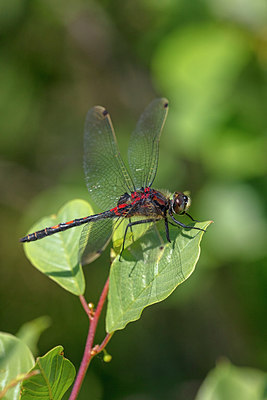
56	375
149	272
57	256
30	332
131	237
15	359
227	382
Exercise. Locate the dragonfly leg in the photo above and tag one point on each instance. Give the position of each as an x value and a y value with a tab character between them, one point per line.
195	220
167	230
131	229
171	223
185	226
130	225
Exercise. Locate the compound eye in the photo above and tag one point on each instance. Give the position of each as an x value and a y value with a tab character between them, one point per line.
187	202
181	203
178	203
185	198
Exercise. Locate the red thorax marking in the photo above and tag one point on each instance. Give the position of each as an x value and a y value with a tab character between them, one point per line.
116	209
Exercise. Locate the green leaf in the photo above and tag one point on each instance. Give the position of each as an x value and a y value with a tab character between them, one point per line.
30	332
227	382
56	375
57	256
15	359
118	235
149	272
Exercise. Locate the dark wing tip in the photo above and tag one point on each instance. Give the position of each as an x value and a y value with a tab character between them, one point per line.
24	239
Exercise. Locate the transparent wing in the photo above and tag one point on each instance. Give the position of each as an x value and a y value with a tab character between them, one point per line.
143	150
94	238
105	173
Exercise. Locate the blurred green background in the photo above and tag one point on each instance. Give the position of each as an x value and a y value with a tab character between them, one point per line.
209	58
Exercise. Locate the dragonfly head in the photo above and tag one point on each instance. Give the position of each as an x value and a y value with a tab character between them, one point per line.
180	203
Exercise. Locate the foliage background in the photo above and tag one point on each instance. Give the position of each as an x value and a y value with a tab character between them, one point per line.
209	58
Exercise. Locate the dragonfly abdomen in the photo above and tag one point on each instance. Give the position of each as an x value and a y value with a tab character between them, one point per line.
65	225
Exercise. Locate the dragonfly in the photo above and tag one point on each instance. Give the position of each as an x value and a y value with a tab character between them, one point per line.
123	194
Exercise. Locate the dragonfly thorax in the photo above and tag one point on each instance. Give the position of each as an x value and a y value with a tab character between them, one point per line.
180	203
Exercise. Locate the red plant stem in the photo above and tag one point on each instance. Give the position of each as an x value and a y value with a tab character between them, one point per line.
99	347
85	306
88	354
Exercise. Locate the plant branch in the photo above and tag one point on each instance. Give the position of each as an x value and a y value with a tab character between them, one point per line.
86	307
100	347
88	353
